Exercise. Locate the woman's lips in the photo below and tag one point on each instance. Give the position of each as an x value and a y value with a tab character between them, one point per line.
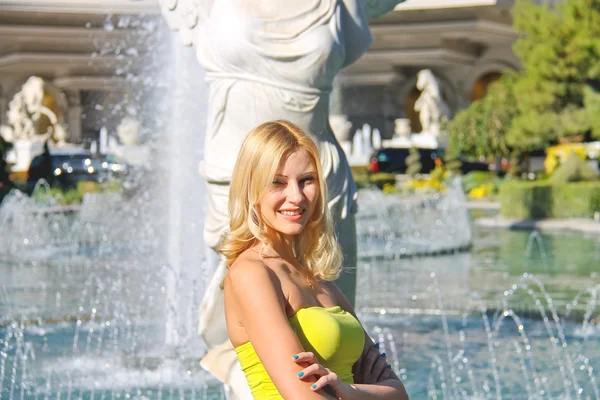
291	215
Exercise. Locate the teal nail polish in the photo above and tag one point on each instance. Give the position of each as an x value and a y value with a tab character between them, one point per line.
383	355
376	345
314	386
388	366
300	374
296	357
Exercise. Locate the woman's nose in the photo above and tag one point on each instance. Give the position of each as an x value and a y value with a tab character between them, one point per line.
294	194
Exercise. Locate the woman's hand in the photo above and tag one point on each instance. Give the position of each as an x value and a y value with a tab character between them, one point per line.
373	366
327	380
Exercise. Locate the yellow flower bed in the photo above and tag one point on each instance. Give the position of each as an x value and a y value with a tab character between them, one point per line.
556	155
481	191
436	180
425	185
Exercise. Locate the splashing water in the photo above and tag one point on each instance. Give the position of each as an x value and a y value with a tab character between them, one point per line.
100	301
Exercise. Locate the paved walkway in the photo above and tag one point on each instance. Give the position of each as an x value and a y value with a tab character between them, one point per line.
482	205
585	225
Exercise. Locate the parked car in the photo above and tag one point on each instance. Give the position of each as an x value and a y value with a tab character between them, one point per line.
393	160
67	169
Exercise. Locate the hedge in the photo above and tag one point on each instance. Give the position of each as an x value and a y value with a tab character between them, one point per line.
364	179
540	199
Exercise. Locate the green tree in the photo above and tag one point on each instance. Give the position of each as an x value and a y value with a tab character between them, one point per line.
480	130
560	52
555	96
591	101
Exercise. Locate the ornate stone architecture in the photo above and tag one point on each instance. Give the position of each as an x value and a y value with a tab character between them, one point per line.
465	43
80	52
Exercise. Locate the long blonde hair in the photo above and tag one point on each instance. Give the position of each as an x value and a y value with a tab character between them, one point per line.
259	158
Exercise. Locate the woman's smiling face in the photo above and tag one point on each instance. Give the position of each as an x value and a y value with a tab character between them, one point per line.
289	202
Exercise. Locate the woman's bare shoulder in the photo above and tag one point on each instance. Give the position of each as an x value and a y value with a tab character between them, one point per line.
249	274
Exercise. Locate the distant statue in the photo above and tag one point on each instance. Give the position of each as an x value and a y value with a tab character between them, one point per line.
24	112
25	109
129	131
268	60
402	127
433	111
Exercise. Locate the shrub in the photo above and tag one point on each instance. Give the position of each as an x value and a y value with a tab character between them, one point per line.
361	177
84	187
481	184
413	162
541	199
381	179
73	197
574	169
474	179
112	186
556	155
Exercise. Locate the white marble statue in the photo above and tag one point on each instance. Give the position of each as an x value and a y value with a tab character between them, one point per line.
268	60
433	110
131	149
24	111
128	131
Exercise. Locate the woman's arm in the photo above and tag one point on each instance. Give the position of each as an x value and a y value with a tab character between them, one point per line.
373	376
256	294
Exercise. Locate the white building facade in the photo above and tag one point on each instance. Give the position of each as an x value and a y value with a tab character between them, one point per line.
465	43
78	48
83	53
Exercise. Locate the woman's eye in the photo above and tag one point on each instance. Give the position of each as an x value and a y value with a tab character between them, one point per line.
310	179
276	182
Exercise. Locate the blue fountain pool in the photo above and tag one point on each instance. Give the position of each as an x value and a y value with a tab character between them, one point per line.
536	293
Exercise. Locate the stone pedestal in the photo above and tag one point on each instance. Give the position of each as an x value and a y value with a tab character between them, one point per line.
3	110
74	116
133	155
23	152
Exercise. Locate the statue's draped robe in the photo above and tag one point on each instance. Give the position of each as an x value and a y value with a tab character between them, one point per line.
260	69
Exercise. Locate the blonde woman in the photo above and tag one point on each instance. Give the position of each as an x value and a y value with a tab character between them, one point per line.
295	333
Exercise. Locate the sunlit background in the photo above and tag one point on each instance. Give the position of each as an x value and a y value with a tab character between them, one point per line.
478	237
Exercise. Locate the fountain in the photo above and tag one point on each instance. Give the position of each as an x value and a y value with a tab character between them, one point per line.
101	303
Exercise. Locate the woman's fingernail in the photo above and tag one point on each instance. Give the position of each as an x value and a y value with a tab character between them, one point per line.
296	357
314	386
383	354
388	366
376	345
300	373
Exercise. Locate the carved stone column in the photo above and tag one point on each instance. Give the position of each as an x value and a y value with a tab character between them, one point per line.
3	107
74	116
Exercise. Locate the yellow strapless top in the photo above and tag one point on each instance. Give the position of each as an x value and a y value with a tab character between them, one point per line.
332	334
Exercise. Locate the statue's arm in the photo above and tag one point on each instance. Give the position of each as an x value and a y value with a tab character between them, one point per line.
376	8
